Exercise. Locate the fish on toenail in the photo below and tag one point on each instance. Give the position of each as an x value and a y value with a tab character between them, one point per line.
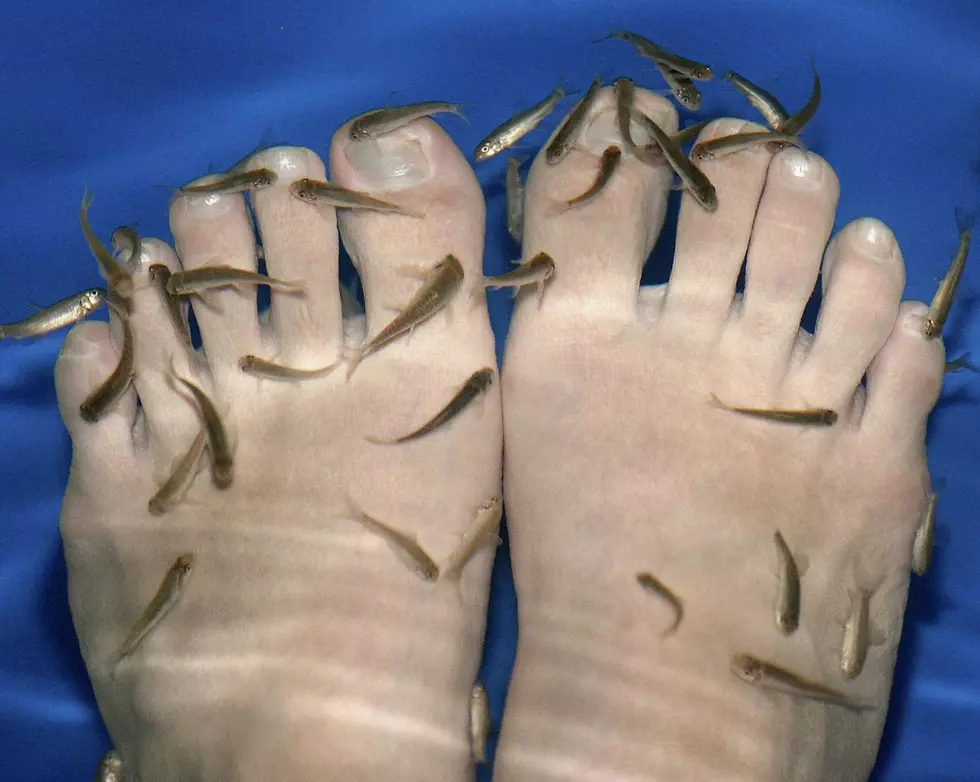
116	274
941	303
796	122
60	314
771	677
185	283
406	547
961	362
571	127
696	183
816	416
159	278
110	768
222	461
102	399
480	723
476	384
536	271
514	188
608	164
480	532
261	367
925	536
377	122
237	182
723	146
625	98
859	633
440	285
166	597
765	102
180	480
125	241
655	586
320	193
518	126
789	593
664	59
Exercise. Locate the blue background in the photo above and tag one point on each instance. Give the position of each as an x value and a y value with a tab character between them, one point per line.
130	98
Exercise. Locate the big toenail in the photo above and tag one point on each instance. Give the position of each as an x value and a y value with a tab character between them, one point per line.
877	240
804	169
391	162
206	206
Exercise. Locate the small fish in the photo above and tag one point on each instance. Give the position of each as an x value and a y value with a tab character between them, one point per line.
163	601
683	89
237	182
222	461
796	122
697	184
60	314
205	278
789	594
608	164
738	142
765	102
536	271
110	768
476	384
859	633
515	200
518	126
482	530
654	586
480	723
925	537
118	276
160	277
101	400
314	191
440	285
125	241
184	473
771	677
625	98
816	416
377	122
571	126
261	367
961	362
935	319
652	151
691	69
406	547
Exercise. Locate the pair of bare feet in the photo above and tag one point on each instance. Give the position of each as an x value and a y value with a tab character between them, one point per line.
306	650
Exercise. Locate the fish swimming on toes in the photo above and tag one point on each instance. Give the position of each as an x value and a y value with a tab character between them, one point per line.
102	399
120	279
518	126
817	416
796	122
941	303
764	101
406	547
219	444
608	164
655	586
160	278
480	723
723	146
482	530
319	193
771	677
260	367
536	271
204	278
571	127
377	122
789	594
925	535
184	472
237	182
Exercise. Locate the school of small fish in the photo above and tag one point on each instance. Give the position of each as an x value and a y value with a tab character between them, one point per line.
440	283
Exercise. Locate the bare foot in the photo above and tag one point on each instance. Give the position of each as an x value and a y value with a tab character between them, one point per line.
618	461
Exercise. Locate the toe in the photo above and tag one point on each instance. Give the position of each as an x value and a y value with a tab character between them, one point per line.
213	230
86	359
300	243
792	226
599	247
418	168
863	280
711	246
904	382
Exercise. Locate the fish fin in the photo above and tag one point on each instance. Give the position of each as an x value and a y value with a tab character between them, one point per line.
353	358
716	402
539	292
378	441
965	220
802	563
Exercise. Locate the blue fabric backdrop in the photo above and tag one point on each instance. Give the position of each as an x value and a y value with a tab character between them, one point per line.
125	96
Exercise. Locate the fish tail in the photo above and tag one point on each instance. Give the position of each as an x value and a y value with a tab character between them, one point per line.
353	358
965	220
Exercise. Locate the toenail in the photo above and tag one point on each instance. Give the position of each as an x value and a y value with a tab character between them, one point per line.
804	169
875	238
730	126
914	321
390	162
206	206
290	163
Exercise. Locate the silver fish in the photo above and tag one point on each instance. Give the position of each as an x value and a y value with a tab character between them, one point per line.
320	193
625	98
167	596
859	634
476	384
683	89
738	142
184	473
207	277
222	461
771	677
237	182
102	399
479	722
796	122
440	285
405	546
60	314
481	531
697	184
118	276
935	319
655	586
608	164
515	200
518	126
536	271
571	126
377	122
788	597
765	102
110	768
925	537
665	59
261	367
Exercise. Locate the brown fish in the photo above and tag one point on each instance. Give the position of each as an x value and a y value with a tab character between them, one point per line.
697	184
771	677
377	122
796	122
817	416
184	473
925	537
655	586
205	278
789	595
406	547
935	318
125	241
261	367
319	193
222	461
518	126
515	200
739	142
536	271
481	531
102	399
237	182
118	276
765	102
480	723
160	278
571	126
663	58
608	164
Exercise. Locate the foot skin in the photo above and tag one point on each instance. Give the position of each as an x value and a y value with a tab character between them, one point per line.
635	470
303	647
